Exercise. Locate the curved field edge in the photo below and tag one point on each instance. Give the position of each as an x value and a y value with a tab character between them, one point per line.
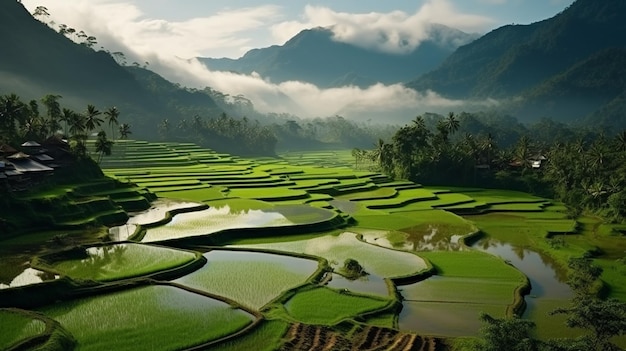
136	288
180	262
160	270
328	249
337	300
217	281
52	335
445	263
228	235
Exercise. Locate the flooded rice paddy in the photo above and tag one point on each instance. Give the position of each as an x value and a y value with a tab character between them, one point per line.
253	279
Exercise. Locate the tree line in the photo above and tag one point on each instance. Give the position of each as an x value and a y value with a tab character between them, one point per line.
585	170
21	121
223	133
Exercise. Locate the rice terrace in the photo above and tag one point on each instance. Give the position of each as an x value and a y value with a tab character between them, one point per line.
299	252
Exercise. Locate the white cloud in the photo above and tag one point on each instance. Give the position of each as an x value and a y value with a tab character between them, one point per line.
117	22
383	103
396	32
121	26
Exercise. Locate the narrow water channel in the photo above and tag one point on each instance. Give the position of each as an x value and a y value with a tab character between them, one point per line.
549	290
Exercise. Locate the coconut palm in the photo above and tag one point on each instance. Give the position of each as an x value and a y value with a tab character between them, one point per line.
452	123
12	112
620	141
76	124
66	117
103	145
112	114
124	130
92	121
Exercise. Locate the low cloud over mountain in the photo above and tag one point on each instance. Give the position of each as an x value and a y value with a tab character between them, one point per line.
121	26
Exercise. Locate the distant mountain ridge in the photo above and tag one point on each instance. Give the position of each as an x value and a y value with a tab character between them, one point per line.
314	56
543	63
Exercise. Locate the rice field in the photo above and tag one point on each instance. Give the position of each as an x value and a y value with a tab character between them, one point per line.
259	277
17	327
324	306
466	282
303	203
375	260
151	318
121	261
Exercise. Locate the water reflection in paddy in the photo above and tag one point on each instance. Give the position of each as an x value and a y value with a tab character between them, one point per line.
430	238
369	284
549	290
441	318
159	209
29	276
154	214
546	278
213	220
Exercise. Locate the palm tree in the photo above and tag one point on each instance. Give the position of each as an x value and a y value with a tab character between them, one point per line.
12	111
112	114
77	124
419	122
66	117
620	141
53	111
124	130
103	145
452	124
382	155
597	155
92	121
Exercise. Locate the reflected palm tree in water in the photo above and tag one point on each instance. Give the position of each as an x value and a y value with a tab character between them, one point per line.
431	237
101	259
520	251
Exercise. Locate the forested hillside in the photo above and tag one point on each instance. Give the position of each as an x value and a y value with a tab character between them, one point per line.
560	65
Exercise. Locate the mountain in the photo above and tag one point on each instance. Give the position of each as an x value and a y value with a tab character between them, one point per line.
314	56
38	61
594	84
563	67
514	58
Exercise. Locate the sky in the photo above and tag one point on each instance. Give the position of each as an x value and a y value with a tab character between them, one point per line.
170	33
280	20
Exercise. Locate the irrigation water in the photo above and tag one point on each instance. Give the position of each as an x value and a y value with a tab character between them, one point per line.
548	288
29	276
